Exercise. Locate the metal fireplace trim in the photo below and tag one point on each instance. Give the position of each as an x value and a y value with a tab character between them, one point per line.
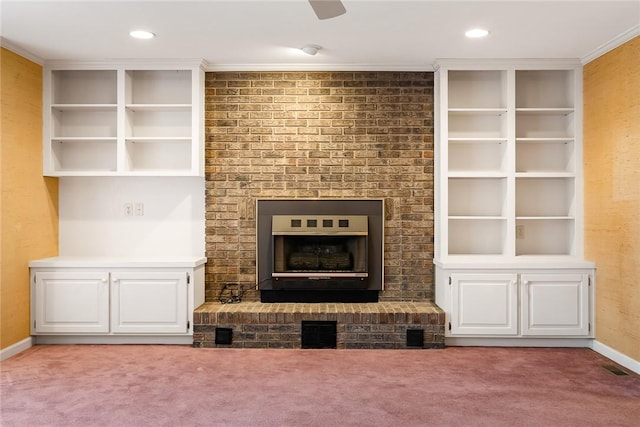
270	282
319	274
321	225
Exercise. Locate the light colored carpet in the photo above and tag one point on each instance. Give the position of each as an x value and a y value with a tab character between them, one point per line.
151	385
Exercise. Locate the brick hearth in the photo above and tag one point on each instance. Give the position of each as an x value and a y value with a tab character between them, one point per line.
278	325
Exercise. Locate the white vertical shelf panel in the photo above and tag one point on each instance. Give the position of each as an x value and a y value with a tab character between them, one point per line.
510	243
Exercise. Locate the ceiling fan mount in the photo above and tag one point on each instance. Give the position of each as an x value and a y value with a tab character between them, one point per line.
327	9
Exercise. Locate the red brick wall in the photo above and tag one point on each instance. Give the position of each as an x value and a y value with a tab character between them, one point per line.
340	135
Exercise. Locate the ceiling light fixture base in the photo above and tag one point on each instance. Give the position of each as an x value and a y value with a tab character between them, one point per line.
311	49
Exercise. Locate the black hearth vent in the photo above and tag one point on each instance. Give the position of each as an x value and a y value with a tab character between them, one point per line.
223	336
319	334
415	338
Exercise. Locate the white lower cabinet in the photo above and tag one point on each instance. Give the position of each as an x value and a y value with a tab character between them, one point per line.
133	301
516	303
485	304
70	302
149	303
555	304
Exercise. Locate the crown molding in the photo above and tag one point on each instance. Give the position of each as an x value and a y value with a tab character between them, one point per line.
317	67
505	63
128	63
9	45
621	39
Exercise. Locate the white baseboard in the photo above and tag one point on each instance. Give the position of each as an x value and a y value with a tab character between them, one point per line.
16	348
517	342
616	356
114	339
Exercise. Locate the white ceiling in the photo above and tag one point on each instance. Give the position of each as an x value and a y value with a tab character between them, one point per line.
266	34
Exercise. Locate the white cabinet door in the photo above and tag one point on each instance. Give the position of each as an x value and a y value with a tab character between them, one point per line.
149	302
70	302
484	304
555	304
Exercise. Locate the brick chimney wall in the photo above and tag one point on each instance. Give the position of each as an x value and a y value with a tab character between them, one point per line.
310	135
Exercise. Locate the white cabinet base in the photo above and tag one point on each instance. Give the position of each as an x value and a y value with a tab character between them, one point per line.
107	301
517	305
517	342
114	339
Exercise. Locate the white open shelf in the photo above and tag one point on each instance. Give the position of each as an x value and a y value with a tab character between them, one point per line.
537	232
477	236
92	121
539	197
510	174
477	89
480	155
477	124
76	155
84	87
545	124
545	89
158	155
124	121
477	196
158	87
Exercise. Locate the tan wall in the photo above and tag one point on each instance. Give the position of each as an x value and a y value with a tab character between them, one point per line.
612	193
29	202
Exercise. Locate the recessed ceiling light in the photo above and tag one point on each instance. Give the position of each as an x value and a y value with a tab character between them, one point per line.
141	34
476	33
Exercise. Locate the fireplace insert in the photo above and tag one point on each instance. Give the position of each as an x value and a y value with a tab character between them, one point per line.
319	257
315	247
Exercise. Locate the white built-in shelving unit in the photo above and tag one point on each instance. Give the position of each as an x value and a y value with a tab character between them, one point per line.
509	195
143	120
140	119
508	159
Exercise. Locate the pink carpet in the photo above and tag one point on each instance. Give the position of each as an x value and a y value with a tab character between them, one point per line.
138	385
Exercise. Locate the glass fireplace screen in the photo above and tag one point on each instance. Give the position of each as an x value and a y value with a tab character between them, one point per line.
305	245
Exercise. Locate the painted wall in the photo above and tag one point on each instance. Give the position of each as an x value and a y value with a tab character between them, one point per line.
93	220
612	193
29	202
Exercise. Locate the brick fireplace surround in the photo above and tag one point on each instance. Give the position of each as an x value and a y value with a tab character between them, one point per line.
320	135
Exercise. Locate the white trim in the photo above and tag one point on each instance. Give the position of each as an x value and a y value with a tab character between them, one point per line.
517	342
616	356
20	51
317	67
506	63
129	64
114	339
16	348
612	44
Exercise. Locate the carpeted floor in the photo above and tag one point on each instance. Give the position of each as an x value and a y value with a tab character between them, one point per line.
152	385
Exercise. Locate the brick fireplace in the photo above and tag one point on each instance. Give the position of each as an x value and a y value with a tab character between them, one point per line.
320	135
